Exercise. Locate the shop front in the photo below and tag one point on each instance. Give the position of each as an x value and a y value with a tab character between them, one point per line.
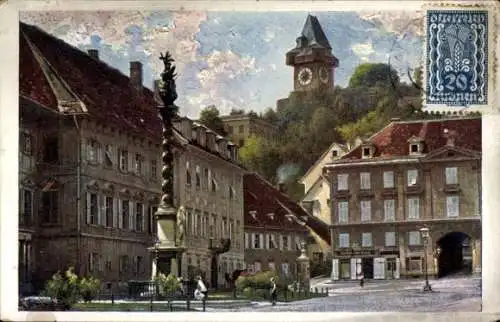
352	264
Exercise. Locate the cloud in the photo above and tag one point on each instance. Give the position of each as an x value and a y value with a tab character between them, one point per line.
363	50
403	23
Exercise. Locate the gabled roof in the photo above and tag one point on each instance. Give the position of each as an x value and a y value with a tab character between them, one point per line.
262	199
325	154
393	140
314	34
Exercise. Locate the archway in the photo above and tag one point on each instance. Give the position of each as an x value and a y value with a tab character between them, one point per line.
455	254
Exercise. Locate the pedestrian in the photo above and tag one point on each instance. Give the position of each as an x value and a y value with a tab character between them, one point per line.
201	288
274	291
362	280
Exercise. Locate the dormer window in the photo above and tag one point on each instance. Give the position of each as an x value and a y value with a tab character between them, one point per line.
271	215
335	153
367	151
416	145
253	213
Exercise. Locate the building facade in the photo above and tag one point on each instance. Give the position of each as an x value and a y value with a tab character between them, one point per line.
408	176
90	170
240	127
274	228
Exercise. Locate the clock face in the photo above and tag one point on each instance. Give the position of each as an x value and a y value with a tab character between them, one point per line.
305	76
323	74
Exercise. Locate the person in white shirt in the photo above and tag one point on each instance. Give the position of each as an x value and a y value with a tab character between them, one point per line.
201	288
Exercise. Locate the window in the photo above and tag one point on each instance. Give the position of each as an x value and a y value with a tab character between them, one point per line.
205	224
125	215
124	264
247	241
285	243
49	207
241	142
413	208
256	241
285	269
451	175
123	160
138	264
213	183
206	178
343	240
257	266
414	238
92	209
151	220
26	143
231	192
231	228
388	179
390	239
452	206
51	150
199	227
412	177
366	210
26	206
366	152
154	170
272	241
414	264
389	210
342	182
139	216
108	155
138	164
230	130
108	266
366	240
343	212
335	153
93	148
109	211
414	148
198	178
365	180
272	266
241	128
94	262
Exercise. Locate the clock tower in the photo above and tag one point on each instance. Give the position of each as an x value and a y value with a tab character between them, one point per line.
312	59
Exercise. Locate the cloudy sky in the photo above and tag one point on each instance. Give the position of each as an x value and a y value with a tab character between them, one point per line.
234	59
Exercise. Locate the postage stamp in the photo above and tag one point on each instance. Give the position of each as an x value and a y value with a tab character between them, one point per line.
459	67
457	57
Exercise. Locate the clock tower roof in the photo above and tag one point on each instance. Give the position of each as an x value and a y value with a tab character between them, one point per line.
314	34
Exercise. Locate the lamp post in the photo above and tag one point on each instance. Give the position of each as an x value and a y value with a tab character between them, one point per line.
425	236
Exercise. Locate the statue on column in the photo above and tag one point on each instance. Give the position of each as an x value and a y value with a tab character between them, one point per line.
181	221
167	87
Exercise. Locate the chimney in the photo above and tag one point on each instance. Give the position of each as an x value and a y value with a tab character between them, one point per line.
136	75
94	53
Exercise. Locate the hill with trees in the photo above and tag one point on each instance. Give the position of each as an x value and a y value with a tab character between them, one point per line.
310	122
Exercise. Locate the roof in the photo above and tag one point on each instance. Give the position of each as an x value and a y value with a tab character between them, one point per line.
262	199
325	154
393	140
314	34
52	71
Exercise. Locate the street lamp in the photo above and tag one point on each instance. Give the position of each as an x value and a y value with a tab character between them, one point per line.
425	236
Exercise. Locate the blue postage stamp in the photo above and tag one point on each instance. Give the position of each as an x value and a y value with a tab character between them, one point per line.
457	57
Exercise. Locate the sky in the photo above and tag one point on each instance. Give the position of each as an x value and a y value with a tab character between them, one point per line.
234	59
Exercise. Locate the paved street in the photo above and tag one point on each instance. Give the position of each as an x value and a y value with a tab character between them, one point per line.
451	294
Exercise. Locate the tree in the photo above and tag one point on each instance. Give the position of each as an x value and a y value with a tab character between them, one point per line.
370	75
270	116
210	117
237	111
371	123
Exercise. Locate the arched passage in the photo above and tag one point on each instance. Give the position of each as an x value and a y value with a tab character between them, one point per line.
455	254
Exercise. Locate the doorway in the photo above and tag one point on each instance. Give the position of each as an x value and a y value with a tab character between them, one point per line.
455	254
367	265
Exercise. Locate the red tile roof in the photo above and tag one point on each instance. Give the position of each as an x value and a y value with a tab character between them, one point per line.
262	198
392	141
32	82
105	91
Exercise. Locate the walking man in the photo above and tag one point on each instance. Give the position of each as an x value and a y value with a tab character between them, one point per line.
274	291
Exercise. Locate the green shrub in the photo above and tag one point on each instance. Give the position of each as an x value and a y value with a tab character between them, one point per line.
89	287
65	288
260	280
168	284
